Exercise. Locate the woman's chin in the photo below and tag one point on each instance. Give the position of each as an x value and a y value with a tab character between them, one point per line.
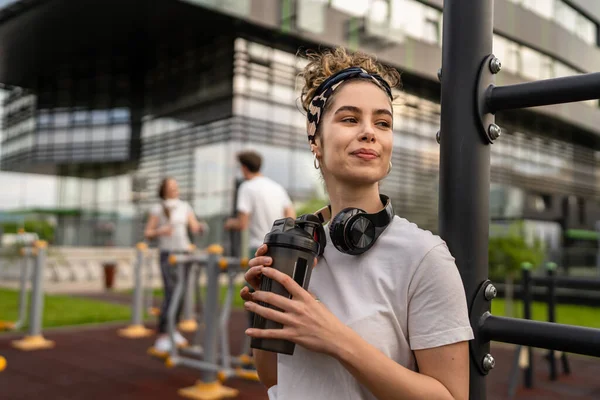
363	177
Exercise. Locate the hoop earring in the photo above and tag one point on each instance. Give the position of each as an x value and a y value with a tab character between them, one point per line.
316	163
390	168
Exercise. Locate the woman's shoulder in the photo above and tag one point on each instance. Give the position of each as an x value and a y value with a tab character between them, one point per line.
406	238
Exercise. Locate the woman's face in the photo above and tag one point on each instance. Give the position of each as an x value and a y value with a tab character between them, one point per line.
171	189
356	138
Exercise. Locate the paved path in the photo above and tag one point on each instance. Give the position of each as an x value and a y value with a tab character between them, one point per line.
94	363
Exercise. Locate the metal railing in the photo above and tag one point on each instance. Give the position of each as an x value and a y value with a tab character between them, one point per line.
469	100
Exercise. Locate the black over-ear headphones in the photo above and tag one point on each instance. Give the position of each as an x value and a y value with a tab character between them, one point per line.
353	231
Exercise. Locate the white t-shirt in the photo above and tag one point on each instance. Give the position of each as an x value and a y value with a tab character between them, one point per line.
179	210
265	200
404	294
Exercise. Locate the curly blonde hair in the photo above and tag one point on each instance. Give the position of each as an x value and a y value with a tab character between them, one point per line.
322	65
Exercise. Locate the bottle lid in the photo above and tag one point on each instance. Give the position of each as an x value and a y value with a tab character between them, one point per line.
287	233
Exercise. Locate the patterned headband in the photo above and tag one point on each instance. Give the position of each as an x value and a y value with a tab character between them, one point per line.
326	89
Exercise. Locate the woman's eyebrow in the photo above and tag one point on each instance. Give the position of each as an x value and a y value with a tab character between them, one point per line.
357	110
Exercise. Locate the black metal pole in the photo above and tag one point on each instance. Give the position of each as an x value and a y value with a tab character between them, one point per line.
544	92
544	335
551	315
464	156
528	373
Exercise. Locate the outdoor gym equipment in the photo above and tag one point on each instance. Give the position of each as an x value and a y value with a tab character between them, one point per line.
137	329
215	371
34	340
26	257
469	101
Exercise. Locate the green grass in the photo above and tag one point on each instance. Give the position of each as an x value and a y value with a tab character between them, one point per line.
237	300
565	313
65	310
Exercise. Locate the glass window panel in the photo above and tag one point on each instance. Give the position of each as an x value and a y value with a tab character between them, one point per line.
99	134
120	132
283	93
79	135
43	118
566	16
120	115
310	15
356	7
100	117
60	137
212	165
61	118
532	63
379	11
544	8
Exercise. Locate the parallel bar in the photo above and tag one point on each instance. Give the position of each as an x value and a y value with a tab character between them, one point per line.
464	155
544	92
568	283
545	335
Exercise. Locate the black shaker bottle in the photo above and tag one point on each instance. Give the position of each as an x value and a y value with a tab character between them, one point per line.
293	246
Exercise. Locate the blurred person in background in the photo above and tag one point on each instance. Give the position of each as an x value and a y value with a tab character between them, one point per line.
170	222
260	201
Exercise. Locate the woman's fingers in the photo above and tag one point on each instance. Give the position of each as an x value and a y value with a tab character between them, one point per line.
269	333
245	293
268	313
297	291
262	250
260	260
274	299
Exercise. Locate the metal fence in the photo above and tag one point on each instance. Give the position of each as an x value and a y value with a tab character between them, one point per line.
469	101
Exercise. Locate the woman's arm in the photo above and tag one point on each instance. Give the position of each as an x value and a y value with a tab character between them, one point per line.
193	222
266	367
443	370
151	230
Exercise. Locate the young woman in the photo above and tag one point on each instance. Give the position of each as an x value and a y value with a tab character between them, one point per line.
385	318
169	222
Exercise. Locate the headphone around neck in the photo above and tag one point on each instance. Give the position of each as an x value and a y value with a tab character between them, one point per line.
354	231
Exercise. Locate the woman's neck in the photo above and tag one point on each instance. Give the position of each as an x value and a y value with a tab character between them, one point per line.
363	197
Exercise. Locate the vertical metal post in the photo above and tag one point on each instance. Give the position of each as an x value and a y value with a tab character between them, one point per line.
528	373
34	339
138	289
23	287
550	267
37	293
174	305
188	323
211	323
137	329
464	154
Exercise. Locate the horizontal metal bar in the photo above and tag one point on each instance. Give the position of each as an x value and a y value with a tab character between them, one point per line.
544	92
562	282
544	335
197	364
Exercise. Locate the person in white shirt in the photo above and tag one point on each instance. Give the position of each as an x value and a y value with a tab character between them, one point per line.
169	222
260	201
385	315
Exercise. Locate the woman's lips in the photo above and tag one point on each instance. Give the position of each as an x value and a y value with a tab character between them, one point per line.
365	156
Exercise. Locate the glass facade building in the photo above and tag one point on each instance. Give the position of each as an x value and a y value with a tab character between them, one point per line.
113	137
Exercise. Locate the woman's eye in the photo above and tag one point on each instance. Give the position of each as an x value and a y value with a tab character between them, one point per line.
349	119
384	124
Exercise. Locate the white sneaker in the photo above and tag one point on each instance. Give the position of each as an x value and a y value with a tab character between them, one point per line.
162	344
179	339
